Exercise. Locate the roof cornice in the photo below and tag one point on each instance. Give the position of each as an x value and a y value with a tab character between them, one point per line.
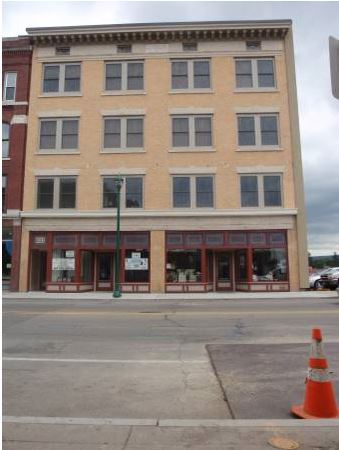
159	32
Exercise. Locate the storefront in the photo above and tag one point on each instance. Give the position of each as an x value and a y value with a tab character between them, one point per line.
7	252
84	261
226	261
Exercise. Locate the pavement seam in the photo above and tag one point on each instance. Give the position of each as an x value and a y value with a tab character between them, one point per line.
130	431
220	385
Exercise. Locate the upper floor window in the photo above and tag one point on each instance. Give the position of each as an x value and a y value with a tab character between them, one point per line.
192	131
59	134
191	74
62	78
193	191
258	130
9	86
5	140
4	186
260	190
124	76
56	192
255	73
123	133
131	194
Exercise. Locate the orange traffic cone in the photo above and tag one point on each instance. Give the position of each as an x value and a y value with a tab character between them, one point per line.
319	400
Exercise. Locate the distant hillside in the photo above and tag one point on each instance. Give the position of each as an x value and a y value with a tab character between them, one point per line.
324	261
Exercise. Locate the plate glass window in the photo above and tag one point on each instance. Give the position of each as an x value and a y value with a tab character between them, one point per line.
9	86
5	140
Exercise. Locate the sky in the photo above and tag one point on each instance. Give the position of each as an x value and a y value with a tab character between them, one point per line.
313	23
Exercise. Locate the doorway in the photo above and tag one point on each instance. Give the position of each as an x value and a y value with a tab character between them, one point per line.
224	271
38	270
105	272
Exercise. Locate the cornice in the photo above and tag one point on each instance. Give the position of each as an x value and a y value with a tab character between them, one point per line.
192	31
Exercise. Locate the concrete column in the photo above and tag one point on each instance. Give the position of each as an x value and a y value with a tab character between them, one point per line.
23	283
15	270
158	260
293	261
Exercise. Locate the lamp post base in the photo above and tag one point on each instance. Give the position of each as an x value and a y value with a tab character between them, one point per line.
116	293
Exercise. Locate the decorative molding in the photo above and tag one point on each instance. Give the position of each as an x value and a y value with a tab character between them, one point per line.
185	111
123	112
261	169
256	109
13	103
56	172
19	120
58	113
123	171
191	170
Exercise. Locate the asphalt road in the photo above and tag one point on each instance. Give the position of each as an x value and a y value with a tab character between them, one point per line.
136	361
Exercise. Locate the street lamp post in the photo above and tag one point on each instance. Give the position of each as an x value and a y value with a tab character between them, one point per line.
117	292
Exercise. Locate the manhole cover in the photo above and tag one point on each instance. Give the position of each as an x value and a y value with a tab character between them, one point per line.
283	443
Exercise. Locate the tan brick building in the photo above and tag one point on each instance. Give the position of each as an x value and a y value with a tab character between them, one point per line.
201	121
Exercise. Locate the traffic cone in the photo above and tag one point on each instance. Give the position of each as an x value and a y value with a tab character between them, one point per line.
319	400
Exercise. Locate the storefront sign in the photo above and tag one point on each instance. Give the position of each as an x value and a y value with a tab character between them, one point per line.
63	264
69	253
40	240
136	263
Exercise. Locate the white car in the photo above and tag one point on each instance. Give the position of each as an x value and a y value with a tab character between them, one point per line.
315	278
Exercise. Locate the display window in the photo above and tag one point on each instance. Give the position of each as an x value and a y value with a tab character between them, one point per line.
183	266
269	265
136	266
63	265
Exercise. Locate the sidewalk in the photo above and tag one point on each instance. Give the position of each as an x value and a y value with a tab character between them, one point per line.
172	296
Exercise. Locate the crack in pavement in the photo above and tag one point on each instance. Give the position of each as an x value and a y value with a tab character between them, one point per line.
173	321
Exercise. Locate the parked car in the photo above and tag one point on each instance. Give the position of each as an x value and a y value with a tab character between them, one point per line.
315	278
330	280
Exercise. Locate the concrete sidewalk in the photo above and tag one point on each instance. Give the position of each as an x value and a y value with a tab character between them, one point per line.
172	296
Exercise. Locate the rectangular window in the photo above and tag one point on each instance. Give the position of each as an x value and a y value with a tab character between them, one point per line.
124	76
4	188
255	73
192	131
183	266
123	133
5	140
191	74
9	86
193	191
261	190
131	194
258	130
56	192
59	134
62	78
269	265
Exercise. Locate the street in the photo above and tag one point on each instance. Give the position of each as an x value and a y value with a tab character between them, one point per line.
108	374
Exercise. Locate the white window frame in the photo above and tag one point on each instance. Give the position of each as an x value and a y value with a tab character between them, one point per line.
123	135
7	140
62	73
261	192
124	77
193	191
123	191
6	76
191	132
190	74
257	130
58	150
255	76
56	191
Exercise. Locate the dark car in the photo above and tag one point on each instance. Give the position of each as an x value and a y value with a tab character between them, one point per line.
330	280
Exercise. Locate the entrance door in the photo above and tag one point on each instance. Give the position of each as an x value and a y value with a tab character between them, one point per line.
104	278
38	270
224	271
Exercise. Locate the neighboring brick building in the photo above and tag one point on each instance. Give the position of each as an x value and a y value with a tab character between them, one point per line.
16	69
201	121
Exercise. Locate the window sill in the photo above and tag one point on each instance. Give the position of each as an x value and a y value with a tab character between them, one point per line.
7	158
60	94
123	150
261	208
123	208
191	149
14	103
259	149
57	152
193	208
191	91
247	90
118	93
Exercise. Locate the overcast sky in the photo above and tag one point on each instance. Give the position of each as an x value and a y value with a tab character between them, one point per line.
313	23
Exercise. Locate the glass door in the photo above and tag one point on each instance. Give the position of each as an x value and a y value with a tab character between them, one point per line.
224	271
104	278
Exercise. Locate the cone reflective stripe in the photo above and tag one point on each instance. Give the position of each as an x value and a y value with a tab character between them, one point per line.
319	400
